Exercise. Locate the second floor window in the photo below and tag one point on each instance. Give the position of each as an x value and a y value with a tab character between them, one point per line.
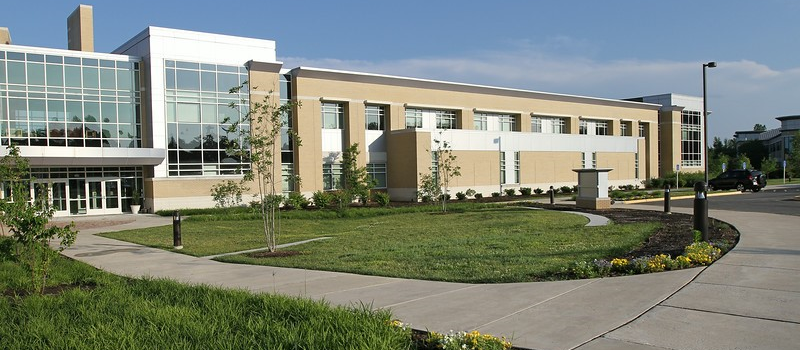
332	116
375	116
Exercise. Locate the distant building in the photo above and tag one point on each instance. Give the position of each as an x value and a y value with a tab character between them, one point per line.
150	116
778	141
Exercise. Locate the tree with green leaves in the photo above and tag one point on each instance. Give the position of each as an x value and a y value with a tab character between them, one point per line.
356	184
759	127
768	165
28	221
793	159
260	132
443	169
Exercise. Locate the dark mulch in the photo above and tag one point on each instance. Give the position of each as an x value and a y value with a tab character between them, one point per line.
675	234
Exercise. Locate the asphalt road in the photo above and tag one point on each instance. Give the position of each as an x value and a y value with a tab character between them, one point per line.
772	199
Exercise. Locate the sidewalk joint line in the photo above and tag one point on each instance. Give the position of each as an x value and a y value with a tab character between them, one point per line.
432	295
537	304
731	314
747	287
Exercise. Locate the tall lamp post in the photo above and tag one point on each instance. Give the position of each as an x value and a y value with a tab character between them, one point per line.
705	119
701	189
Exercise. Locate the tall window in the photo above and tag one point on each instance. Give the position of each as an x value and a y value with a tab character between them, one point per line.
636	165
583	160
287	177
594	160
332	176
480	122
413	118
198	117
332	115
642	130
377	172
691	139
502	167
547	125
516	167
601	128
583	129
375	116
445	120
623	129
593	127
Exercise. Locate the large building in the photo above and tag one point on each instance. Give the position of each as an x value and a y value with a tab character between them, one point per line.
777	141
153	116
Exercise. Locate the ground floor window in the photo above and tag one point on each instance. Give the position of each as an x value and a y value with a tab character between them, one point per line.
377	173
332	176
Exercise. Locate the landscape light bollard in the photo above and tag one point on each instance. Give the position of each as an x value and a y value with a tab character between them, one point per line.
667	206
701	209
552	196
176	229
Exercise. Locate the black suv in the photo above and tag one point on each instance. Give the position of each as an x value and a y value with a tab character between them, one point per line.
739	179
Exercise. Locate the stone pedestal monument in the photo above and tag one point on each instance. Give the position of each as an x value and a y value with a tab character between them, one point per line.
593	188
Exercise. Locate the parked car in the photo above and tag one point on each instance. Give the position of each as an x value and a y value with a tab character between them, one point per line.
739	179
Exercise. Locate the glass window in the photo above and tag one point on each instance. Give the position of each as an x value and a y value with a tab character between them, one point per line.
90	78
507	123
375	117
55	75
516	167
536	124
187	80
55	110
642	130
332	116
601	127
691	139
502	167
35	74
413	118
480	122
91	111
377	172
36	110
225	82
445	120
16	72
208	81
108	112
332	176
188	112
583	129
108	79
72	76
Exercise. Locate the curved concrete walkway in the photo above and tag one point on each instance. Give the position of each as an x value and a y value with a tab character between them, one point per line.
749	299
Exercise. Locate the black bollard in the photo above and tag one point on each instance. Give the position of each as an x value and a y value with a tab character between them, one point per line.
176	229
667	204
701	209
552	196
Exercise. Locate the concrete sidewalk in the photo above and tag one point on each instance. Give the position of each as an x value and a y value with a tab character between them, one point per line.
749	299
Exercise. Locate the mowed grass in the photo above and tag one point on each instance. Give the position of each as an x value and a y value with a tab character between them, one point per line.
119	313
483	245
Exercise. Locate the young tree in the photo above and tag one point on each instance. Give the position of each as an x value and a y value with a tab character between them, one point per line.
793	160
28	220
356	184
443	169
228	193
260	130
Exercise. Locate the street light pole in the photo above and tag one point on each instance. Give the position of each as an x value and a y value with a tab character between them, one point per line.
705	119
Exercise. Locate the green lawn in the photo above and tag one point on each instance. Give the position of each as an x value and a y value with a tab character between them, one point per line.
119	313
495	244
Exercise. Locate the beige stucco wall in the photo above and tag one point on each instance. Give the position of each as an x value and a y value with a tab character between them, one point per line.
670	134
548	167
80	29
478	168
622	163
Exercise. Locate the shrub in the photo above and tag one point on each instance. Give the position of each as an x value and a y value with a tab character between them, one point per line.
495	194
510	192
461	196
444	196
655	183
470	192
538	191
566	189
478	195
226	194
321	199
556	190
525	191
295	200
575	188
382	198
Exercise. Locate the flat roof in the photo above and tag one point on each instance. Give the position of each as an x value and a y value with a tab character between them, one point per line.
371	78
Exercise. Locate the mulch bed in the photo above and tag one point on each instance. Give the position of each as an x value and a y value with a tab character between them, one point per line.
675	234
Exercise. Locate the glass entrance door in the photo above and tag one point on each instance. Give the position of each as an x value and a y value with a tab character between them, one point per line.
56	195
77	196
103	196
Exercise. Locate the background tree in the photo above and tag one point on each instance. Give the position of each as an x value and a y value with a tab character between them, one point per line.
755	151
759	127
793	159
260	130
768	165
356	184
28	221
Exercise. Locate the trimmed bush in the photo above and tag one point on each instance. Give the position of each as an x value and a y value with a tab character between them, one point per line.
510	192
461	196
566	189
382	198
525	191
322	199
538	191
495	194
478	195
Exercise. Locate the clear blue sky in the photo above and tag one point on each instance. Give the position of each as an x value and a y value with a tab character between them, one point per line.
610	49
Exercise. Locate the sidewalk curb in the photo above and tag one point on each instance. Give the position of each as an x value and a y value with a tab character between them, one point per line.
637	201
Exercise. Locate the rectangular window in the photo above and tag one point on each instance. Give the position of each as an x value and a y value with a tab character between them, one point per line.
691	139
593	127
375	116
583	160
332	115
642	130
583	129
377	172
507	123
623	129
445	120
601	128
547	125
594	160
413	118
516	167
479	122
287	177
636	165
332	176
502	167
